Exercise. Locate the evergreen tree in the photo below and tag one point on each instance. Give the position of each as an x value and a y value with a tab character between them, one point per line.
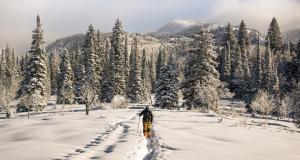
35	79
99	59
126	60
107	85
228	61
54	70
238	69
268	68
229	37
243	37
65	90
274	36
79	78
201	74
136	91
297	61
89	54
159	64
167	86
222	64
258	68
117	42
152	73
144	61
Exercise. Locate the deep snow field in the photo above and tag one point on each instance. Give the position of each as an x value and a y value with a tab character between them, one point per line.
67	133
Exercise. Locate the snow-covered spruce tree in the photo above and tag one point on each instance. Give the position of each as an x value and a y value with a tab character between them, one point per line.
297	61
35	79
144	61
274	36
79	77
245	61
54	70
243	36
147	82
65	90
268	68
152	73
126	59
236	82
107	85
225	62
201	71
136	92
130	75
9	81
167	86
159	64
229	37
89	54
228	60
257	78
222	62
117	44
99	59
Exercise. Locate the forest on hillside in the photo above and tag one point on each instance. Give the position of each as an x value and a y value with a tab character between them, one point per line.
193	73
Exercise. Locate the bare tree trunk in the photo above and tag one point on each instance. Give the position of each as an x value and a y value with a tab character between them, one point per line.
87	109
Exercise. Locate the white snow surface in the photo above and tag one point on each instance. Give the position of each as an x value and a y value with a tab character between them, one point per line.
113	134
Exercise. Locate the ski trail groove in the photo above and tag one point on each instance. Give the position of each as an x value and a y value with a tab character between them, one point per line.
100	145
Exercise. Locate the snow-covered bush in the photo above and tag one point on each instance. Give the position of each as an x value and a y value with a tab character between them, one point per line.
119	102
263	103
295	107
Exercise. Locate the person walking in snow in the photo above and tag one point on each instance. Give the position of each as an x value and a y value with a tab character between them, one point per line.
147	122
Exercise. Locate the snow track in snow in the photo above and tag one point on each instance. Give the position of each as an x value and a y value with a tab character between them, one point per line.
108	145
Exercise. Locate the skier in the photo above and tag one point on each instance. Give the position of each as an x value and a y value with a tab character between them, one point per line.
147	122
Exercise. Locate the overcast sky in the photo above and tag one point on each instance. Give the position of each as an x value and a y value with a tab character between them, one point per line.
66	17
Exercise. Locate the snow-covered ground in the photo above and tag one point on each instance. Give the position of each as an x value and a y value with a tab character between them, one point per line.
67	133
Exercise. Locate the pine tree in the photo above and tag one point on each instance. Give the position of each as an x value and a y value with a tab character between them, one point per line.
245	61
54	70
238	69
99	59
201	74
159	64
228	60
297	61
274	36
243	37
144	61
35	79
126	59
268	68
65	90
89	55
258	68
107	85
117	42
229	37
79	78
222	63
137	94
167	86
152	73
146	82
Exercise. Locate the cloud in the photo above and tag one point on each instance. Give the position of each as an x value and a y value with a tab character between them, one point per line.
65	17
258	13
